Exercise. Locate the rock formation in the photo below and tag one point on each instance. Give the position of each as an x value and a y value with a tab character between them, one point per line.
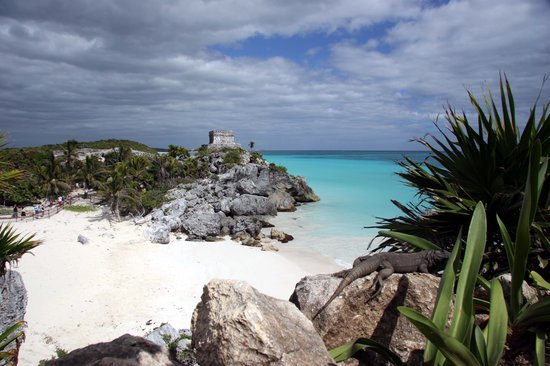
348	317
234	324
13	300
127	350
234	201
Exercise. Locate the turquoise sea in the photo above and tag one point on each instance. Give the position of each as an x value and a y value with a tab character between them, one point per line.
355	188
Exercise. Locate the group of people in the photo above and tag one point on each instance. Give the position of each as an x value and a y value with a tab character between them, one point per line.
38	211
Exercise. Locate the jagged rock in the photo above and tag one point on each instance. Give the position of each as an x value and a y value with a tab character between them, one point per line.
173	222
246	224
283	201
13	301
163	335
295	186
199	225
248	204
175	208
281	236
268	246
127	350
234	324
158	233
348	317
82	239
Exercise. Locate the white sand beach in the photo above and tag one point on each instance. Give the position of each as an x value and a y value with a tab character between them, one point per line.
121	283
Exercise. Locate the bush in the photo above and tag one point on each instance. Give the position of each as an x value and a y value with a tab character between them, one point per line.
79	208
233	157
279	168
152	199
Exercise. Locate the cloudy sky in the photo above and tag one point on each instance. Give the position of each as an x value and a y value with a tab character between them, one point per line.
287	74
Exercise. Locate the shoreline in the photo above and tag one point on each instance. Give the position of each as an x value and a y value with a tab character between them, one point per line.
121	283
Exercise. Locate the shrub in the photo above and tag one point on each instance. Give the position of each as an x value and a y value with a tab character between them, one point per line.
233	157
80	208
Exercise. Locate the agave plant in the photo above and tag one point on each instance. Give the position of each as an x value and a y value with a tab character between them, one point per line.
486	162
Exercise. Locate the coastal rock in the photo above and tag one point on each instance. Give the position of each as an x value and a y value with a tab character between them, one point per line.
82	239
178	340
158	233
281	236
295	186
127	350
200	225
283	201
248	204
176	207
246	224
348	317
13	300
163	335
268	246
234	324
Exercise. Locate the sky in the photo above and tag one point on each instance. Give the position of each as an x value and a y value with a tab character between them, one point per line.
286	74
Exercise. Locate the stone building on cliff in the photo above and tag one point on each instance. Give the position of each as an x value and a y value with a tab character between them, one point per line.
221	139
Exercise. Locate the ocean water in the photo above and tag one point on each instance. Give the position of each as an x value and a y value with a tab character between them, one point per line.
355	188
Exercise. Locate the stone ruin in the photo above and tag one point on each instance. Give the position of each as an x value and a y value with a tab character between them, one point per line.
221	139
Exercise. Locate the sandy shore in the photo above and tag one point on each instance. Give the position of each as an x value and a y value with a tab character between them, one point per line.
121	283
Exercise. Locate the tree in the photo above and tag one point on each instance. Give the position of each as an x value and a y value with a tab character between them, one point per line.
487	162
70	156
119	191
50	179
91	172
178	152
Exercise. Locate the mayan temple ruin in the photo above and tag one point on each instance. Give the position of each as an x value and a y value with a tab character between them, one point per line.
222	138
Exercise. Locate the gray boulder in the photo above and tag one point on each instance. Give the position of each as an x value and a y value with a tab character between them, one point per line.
176	207
281	236
158	233
234	324
348	317
163	335
82	239
283	201
173	222
246	224
248	204
199	225
127	350
13	300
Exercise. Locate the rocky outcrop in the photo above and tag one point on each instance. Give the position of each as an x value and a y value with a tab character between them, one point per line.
348	317
234	324
177	342
233	202
127	350
13	299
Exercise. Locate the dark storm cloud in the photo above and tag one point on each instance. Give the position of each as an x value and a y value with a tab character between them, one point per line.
146	70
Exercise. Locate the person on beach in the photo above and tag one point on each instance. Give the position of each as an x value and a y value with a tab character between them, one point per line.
60	201
36	210
14	211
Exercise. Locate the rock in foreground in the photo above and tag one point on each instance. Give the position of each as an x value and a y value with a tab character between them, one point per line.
348	317
234	324
127	350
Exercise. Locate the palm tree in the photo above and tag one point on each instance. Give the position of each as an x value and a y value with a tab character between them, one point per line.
119	191
90	172
487	162
70	155
49	177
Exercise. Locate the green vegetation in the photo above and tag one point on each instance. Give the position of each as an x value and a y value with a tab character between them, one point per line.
276	167
80	208
233	156
12	248
486	162
493	181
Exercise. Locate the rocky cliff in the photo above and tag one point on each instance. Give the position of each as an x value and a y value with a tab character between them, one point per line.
236	200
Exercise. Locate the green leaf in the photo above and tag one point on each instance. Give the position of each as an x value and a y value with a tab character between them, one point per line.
497	328
345	351
523	236
463	318
507	240
534	314
480	345
540	341
457	353
444	298
541	282
411	239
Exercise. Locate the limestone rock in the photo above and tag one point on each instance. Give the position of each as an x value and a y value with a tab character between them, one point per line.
158	233
162	334
234	324
13	300
127	350
348	317
201	225
82	239
281	236
248	204
283	201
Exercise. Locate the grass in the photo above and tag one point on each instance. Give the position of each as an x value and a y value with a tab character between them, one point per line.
80	208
